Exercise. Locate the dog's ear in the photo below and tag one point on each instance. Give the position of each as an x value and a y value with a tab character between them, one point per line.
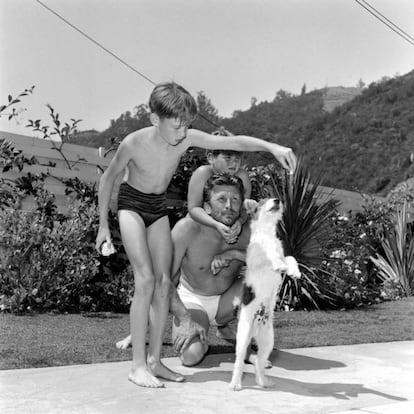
250	206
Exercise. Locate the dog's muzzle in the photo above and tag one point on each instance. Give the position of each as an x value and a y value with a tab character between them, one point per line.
276	204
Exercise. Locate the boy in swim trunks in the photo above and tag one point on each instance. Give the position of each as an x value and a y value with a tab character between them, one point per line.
152	155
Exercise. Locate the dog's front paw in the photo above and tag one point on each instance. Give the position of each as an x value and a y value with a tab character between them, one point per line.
292	268
235	386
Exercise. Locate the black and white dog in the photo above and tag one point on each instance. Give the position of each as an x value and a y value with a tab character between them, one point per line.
265	265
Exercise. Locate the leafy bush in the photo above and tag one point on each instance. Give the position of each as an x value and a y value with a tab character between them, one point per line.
397	263
50	263
356	237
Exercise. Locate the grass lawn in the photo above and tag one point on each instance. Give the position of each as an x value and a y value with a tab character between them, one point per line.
66	339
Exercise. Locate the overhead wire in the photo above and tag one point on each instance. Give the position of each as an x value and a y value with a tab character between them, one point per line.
388	20
109	52
400	32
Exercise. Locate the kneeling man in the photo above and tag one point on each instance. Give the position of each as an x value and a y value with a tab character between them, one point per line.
206	268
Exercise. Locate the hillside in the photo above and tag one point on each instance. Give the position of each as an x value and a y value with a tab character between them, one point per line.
335	96
364	145
360	139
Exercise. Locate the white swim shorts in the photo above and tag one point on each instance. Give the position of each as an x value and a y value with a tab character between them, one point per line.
192	300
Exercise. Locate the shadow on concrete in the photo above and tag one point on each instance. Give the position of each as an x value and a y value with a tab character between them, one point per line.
295	362
280	359
340	391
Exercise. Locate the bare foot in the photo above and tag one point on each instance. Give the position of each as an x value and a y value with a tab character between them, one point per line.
226	332
143	378
160	370
124	343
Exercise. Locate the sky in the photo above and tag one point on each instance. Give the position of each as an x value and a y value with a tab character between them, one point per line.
232	50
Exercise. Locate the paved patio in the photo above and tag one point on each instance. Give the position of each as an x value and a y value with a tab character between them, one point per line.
369	378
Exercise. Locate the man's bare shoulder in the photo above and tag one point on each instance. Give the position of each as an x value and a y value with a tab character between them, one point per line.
244	236
186	227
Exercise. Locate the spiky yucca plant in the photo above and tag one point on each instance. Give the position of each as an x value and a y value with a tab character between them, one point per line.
398	244
304	230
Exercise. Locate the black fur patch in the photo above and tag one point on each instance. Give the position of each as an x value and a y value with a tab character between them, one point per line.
262	315
248	294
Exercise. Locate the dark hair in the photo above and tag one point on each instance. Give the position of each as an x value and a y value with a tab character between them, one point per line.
170	100
217	152
222	179
222	132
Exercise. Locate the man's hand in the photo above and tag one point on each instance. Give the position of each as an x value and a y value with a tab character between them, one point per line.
186	331
220	261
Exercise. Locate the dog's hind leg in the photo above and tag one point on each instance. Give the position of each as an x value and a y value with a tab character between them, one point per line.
265	338
242	342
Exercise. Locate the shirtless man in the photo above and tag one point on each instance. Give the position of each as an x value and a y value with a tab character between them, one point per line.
206	268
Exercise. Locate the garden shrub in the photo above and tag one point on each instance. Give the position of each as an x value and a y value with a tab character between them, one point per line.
355	238
53	265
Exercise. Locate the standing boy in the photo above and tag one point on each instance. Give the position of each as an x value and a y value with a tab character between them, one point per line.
152	155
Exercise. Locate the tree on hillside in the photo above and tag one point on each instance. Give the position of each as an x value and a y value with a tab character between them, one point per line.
282	94
303	90
361	84
207	112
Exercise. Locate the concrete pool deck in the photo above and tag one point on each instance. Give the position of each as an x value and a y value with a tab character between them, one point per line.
366	378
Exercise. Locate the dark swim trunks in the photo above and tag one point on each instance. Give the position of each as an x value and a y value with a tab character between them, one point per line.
150	207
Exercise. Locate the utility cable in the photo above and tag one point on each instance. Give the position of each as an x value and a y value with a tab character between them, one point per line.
395	29
388	20
110	52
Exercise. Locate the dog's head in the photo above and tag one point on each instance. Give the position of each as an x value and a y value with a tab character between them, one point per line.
268	211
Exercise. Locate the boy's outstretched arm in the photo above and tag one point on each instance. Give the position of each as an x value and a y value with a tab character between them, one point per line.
284	155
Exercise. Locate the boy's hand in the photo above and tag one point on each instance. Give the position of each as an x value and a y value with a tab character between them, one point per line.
220	261
187	330
103	236
285	156
236	228
225	232
228	233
